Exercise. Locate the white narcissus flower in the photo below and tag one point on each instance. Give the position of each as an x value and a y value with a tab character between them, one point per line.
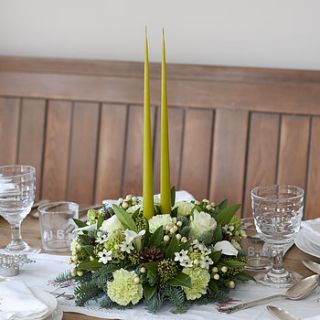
160	220
111	224
185	208
201	223
226	248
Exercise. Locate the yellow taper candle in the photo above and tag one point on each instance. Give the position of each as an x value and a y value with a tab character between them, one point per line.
147	145
165	200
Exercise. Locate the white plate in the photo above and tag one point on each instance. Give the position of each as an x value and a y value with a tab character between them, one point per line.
305	245
50	301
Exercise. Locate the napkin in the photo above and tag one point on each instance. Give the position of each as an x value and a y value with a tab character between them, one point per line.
17	302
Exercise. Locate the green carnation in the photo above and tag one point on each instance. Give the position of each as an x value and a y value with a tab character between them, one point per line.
124	288
199	281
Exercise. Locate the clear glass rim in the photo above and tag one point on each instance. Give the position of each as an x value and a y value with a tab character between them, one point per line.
30	170
43	209
254	195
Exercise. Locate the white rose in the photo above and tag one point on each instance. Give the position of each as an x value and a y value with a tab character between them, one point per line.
160	220
201	223
185	208
226	248
111	224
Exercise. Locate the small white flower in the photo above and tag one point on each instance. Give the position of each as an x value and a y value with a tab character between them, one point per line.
131	235
181	256
226	248
205	262
104	256
126	247
102	238
186	263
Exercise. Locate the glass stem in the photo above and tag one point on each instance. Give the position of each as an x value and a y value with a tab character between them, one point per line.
278	261
16	238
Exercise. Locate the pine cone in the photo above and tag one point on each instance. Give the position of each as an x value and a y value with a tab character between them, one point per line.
150	254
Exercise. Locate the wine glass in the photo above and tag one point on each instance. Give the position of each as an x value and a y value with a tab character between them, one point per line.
277	212
17	192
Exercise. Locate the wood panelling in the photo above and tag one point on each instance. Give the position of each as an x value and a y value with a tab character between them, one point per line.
229	155
83	150
56	156
111	152
132	181
230	128
31	137
313	186
196	155
9	128
262	154
293	151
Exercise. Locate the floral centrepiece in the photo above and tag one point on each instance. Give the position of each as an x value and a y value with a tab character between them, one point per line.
192	255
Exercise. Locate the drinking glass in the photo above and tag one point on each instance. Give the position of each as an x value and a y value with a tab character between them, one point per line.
257	255
277	212
17	192
56	225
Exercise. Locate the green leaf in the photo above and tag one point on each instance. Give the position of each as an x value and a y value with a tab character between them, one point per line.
79	223
217	234
89	250
173	196
234	263
100	221
222	205
225	215
180	280
90	265
172	248
156	237
148	292
125	218
152	268
215	256
244	276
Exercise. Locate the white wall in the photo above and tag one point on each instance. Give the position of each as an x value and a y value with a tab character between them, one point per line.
269	33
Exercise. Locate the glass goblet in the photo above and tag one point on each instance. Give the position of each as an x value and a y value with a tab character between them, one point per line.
277	212
17	192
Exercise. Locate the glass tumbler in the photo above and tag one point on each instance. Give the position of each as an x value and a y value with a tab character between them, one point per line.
56	225
257	255
277	212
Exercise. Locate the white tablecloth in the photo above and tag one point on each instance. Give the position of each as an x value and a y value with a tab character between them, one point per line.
42	273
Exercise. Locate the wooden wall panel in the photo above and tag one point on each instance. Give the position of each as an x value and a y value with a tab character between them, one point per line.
313	187
229	155
293	152
176	126
81	180
262	154
31	139
196	156
56	156
9	129
111	152
132	182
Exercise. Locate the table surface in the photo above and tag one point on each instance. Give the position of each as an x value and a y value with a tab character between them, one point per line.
31	234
